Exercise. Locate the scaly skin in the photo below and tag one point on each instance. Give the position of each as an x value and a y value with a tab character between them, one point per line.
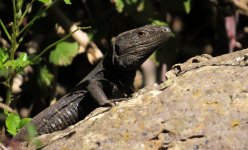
110	81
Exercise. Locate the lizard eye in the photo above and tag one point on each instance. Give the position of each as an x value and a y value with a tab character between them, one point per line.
166	29
141	33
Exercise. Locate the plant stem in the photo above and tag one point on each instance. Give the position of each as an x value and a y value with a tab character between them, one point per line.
14	30
9	90
25	12
37	16
14	46
5	30
55	43
14	13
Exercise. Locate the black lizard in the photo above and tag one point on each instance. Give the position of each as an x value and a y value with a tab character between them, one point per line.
109	81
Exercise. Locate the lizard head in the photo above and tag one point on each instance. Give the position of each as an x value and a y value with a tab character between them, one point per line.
133	47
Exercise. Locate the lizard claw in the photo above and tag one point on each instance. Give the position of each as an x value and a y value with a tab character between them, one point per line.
107	104
118	100
112	102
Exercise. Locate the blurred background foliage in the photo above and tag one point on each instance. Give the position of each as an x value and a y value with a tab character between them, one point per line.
201	26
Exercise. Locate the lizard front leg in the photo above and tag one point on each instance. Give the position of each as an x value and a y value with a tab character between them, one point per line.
97	93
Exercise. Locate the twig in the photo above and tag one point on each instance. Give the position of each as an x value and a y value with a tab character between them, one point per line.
5	30
39	15
94	54
3	147
25	12
6	107
241	5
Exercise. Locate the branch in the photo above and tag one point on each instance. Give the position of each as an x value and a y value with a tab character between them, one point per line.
93	52
5	30
6	107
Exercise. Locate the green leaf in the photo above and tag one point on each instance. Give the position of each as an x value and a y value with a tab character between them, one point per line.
159	23
32	131
45	77
187	6
119	4
3	72
46	1
67	2
141	6
3	56
19	4
23	122
64	53
12	123
18	63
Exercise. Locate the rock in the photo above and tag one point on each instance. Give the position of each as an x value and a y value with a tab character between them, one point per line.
202	105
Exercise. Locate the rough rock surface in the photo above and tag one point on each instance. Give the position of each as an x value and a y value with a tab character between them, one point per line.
202	105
